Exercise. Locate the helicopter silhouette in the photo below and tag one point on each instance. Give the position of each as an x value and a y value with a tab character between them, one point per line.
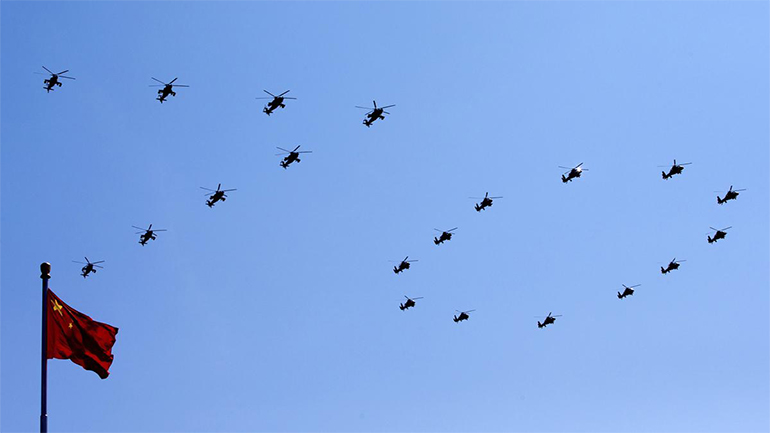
89	266
463	315
375	114
548	320
218	195
675	169
53	80
573	173
486	201
445	236
674	265
409	303
293	155
167	88
404	265
720	234
275	103
629	291
732	194
147	234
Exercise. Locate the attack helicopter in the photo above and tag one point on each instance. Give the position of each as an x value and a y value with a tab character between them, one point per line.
167	88
53	80
674	265
463	315
675	169
375	114
218	195
445	236
293	155
89	266
404	265
147	234
629	291
486	201
275	103
548	320
732	194
573	173
409	303
720	234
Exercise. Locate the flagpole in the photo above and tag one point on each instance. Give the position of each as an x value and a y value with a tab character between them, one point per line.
45	274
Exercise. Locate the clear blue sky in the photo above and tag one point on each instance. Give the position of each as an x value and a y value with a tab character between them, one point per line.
278	310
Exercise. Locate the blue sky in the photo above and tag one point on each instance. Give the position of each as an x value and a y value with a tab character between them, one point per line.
278	310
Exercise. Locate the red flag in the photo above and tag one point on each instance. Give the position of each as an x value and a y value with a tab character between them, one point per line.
73	335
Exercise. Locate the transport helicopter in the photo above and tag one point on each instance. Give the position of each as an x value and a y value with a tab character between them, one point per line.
445	236
219	194
375	114
53	80
548	320
573	173
486	201
732	194
674	265
89	266
463	315
293	155
629	291
167	88
720	234
147	234
409	303
675	169
275	103
404	265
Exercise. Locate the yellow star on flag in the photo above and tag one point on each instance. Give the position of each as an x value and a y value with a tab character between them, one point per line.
57	307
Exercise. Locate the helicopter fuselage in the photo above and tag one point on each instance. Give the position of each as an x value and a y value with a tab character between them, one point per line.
374	115
50	82
164	92
484	204
460	318
273	105
717	236
292	157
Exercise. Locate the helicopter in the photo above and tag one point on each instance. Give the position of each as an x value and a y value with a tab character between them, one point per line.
89	266
218	195
463	315
409	303
445	236
548	320
404	265
147	234
732	194
167	88
629	291
674	265
485	202
53	80
572	173
375	114
292	156
720	234
275	103
675	169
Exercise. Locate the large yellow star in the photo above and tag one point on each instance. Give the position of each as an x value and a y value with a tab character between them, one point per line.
57	307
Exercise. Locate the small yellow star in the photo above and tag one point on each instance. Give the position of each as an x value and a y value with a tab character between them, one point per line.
70	325
57	307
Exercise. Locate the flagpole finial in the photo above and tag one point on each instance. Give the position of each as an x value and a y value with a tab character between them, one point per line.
45	270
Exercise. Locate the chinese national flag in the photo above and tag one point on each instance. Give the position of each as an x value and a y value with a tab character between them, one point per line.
73	335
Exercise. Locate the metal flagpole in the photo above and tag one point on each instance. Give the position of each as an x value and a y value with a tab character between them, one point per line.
45	274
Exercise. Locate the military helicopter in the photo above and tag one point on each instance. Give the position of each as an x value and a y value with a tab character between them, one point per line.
292	156
572	173
275	103
720	234
54	79
218	195
147	234
89	266
732	194
404	265
167	88
445	236
629	291
463	315
375	114
486	201
409	303
548	320
674	265
675	169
